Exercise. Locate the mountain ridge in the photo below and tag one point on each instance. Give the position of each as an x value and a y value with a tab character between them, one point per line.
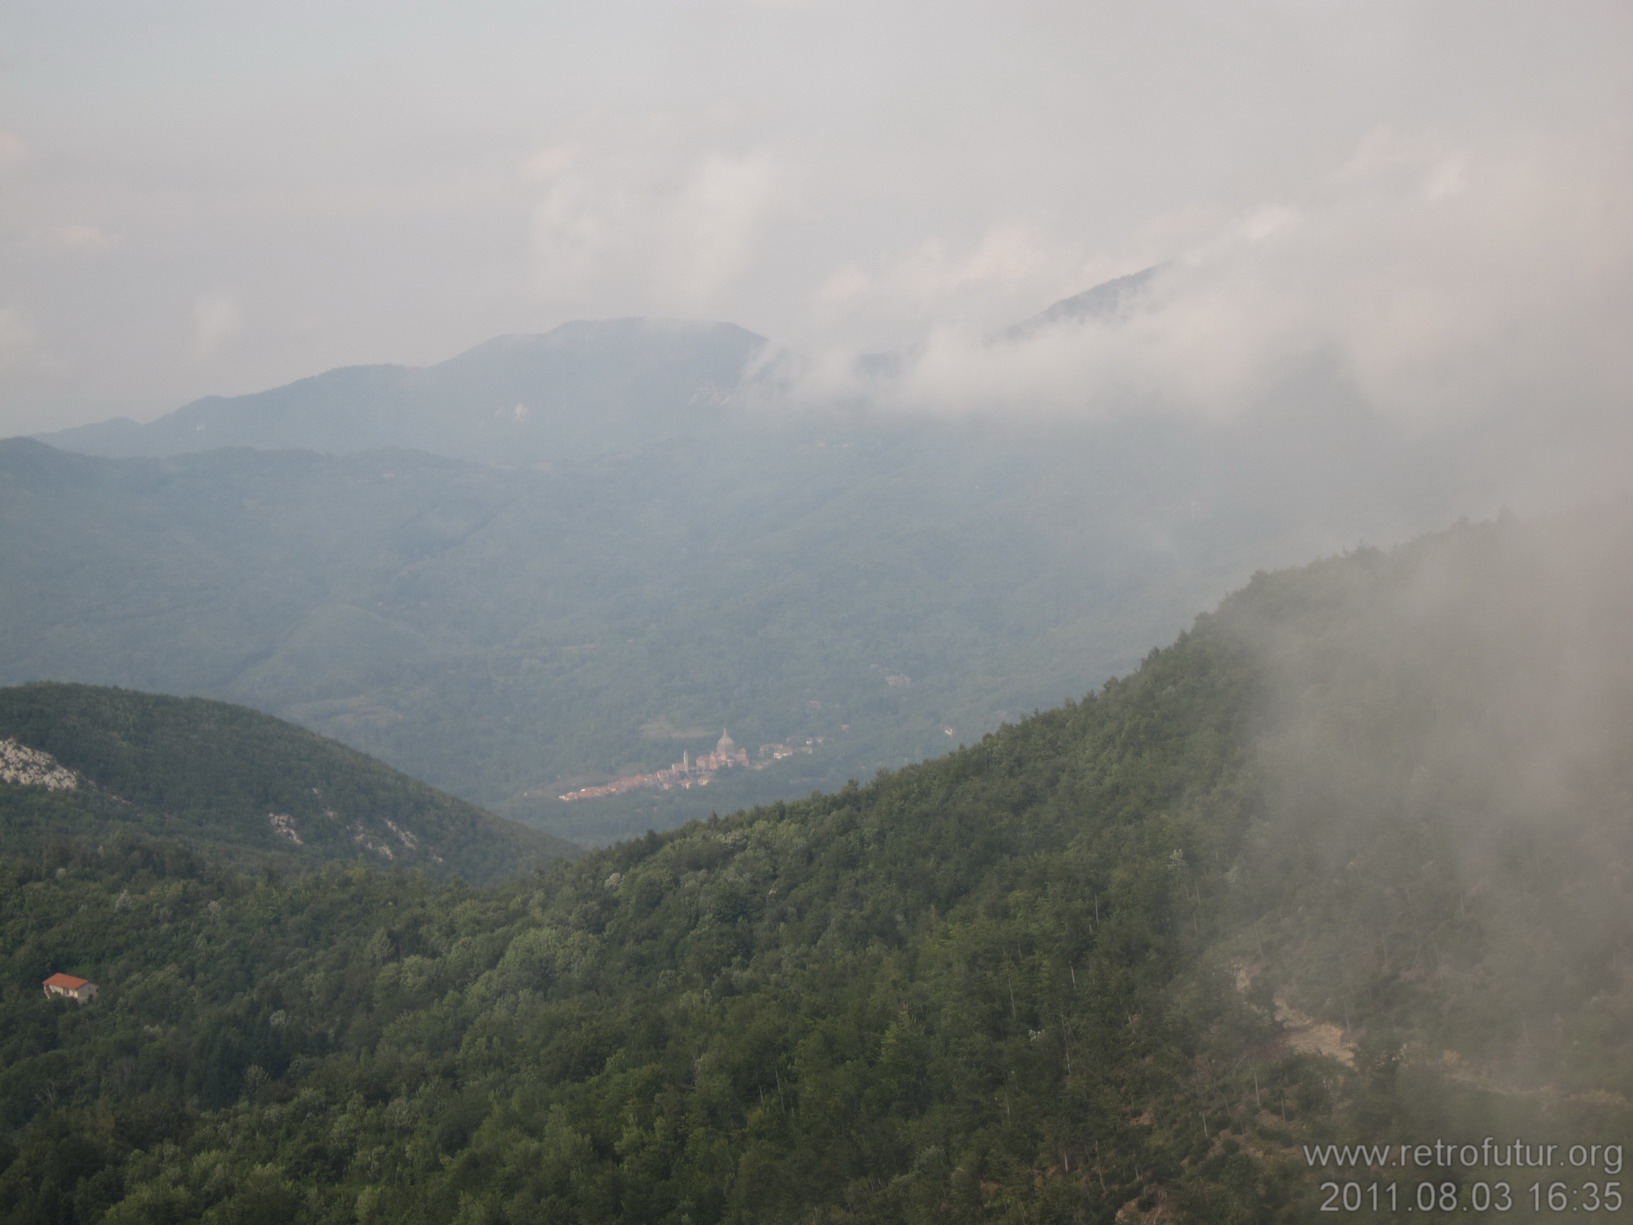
1106	299
583	388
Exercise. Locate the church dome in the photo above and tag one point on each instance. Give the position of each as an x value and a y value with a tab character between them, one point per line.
727	745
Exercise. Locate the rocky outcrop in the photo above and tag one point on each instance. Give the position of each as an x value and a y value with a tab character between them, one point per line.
32	768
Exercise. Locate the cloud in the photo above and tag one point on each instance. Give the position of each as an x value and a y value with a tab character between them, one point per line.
1435	284
1004	255
648	220
217	318
14	150
82	238
835	175
710	235
1455	709
18	341
845	285
938	279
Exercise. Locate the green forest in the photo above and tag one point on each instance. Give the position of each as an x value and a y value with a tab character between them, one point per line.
1075	972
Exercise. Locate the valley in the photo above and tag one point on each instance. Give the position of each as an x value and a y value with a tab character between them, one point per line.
506	631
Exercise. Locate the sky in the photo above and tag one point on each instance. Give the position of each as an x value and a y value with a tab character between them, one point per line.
1431	196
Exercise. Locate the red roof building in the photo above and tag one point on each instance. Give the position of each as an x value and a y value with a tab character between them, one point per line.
74	988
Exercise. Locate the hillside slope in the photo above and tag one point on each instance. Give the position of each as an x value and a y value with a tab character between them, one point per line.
95	762
1343	864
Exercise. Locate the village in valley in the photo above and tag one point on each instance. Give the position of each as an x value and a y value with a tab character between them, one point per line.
697	771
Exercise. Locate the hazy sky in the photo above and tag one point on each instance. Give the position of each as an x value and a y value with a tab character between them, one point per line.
217	197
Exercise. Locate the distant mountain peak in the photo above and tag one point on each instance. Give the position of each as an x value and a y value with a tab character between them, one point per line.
1101	301
1098	302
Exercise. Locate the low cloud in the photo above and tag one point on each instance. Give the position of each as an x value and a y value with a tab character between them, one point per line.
82	238
957	285
14	150
707	240
645	223
931	273
1443	750
217	319
1434	284
18	341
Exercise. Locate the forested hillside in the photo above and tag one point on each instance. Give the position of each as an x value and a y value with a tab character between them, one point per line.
235	785
1341	864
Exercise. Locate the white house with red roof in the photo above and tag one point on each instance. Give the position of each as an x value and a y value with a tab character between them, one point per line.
73	988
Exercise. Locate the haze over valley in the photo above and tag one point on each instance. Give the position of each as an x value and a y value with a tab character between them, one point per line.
890	584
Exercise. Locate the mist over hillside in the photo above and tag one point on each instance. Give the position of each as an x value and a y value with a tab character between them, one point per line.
1444	752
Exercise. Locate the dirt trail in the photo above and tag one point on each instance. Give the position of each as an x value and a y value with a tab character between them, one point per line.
1311	1037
